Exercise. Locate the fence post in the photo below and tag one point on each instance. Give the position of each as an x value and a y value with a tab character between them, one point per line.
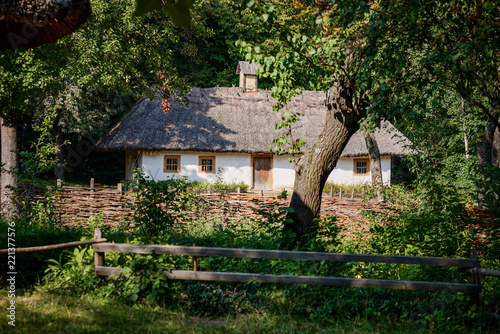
119	187
340	193
331	191
59	183
92	200
261	193
352	194
195	261
473	278
98	256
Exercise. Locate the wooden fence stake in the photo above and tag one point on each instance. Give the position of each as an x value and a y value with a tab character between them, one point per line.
261	193
473	278
98	256
331	191
195	261
352	194
119	186
92	183
59	183
340	193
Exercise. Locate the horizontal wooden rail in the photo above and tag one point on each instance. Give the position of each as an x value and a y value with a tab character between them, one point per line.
51	247
484	272
284	255
311	280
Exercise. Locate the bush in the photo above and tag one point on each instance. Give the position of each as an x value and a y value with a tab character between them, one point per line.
160	205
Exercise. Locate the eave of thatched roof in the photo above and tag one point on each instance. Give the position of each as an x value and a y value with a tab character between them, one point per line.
225	119
390	141
31	23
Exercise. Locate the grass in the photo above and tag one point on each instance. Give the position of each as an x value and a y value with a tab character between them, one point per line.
41	312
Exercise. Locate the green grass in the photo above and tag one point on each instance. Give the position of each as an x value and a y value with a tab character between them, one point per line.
48	313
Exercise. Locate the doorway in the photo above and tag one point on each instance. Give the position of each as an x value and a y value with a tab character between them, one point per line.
262	172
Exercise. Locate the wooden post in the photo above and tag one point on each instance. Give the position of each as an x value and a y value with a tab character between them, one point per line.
340	192
92	201
331	191
98	256
261	193
195	261
352	194
238	190
119	187
473	278
59	183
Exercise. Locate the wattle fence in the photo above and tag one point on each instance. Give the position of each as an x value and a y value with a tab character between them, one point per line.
75	205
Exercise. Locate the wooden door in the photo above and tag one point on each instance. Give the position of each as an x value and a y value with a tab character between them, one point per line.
261	172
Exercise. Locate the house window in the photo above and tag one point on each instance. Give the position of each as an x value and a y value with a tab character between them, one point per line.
361	167
172	164
206	165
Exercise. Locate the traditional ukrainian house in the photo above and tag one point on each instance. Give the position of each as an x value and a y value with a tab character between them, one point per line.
230	131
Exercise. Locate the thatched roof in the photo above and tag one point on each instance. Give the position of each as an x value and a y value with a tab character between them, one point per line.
227	120
390	141
30	23
247	68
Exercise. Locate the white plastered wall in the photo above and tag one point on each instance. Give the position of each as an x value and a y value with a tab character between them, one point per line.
131	163
344	174
284	174
234	167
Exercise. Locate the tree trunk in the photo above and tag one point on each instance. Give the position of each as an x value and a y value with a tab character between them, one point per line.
312	170
487	153
375	164
495	149
9	161
59	167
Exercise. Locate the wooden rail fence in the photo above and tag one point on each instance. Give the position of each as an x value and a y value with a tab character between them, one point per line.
472	266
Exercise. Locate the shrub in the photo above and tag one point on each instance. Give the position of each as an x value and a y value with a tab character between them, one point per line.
159	205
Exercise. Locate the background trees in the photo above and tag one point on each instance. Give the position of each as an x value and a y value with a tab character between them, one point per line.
114	52
405	61
435	52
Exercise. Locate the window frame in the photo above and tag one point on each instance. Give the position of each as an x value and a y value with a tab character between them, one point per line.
200	165
165	157
354	170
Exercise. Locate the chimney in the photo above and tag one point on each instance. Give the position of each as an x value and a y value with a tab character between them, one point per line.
248	76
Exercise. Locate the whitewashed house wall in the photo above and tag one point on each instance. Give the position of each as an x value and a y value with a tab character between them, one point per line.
236	167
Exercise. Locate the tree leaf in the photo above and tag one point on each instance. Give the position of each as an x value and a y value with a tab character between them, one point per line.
179	13
145	6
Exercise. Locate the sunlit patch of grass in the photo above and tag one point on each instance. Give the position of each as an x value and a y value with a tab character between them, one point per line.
47	313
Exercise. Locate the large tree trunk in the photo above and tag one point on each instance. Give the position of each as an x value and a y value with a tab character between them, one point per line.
345	109
9	161
487	153
375	164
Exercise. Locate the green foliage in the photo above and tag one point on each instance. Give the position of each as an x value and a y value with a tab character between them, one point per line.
72	270
34	162
160	205
420	235
177	11
220	185
31	266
